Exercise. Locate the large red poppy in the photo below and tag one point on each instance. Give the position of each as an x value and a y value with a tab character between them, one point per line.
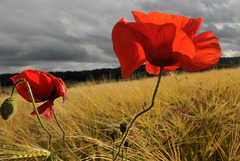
163	40
44	86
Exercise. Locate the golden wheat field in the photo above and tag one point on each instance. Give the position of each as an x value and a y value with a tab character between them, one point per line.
196	117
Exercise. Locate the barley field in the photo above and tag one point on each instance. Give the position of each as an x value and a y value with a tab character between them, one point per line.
196	117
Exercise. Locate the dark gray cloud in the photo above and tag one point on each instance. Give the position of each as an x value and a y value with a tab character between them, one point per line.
76	35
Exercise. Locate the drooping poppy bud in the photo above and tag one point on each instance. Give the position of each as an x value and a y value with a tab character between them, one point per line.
8	108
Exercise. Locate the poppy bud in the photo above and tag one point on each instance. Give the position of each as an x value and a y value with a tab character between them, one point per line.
8	108
113	135
123	127
126	144
106	133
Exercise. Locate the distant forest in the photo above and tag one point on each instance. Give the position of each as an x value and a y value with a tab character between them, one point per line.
113	74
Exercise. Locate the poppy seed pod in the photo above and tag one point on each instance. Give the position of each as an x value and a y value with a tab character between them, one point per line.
123	127
126	144
113	135
8	108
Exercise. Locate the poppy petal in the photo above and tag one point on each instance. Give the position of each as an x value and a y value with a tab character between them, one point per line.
160	18
153	35
208	52
183	46
164	45
40	84
189	25
60	88
192	27
151	69
45	109
127	48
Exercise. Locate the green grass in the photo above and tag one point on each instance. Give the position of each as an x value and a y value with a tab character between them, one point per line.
208	129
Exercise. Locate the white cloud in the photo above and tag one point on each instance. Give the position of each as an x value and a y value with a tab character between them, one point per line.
230	53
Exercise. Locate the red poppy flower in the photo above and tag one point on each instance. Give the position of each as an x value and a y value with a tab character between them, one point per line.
183	111
44	86
163	40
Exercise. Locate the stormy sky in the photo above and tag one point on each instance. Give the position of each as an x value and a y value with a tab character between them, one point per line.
75	35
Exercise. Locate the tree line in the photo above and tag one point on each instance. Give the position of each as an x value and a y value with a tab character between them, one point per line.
113	74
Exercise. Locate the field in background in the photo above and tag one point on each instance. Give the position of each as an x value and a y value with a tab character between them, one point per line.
196	117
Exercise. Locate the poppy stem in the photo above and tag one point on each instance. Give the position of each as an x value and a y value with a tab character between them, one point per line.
64	142
122	149
140	113
35	109
113	151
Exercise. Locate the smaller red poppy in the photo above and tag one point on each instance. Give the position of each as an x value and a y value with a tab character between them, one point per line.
44	86
182	111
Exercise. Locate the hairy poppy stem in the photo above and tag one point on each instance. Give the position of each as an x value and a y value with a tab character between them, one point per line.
64	142
113	151
122	150
35	109
140	113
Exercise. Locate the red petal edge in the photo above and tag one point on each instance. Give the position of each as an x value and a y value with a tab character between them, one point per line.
45	109
40	84
127	48
208	52
189	25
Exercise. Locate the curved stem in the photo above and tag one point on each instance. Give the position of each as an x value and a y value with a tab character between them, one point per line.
64	142
35	109
113	151
122	148
126	154
140	113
